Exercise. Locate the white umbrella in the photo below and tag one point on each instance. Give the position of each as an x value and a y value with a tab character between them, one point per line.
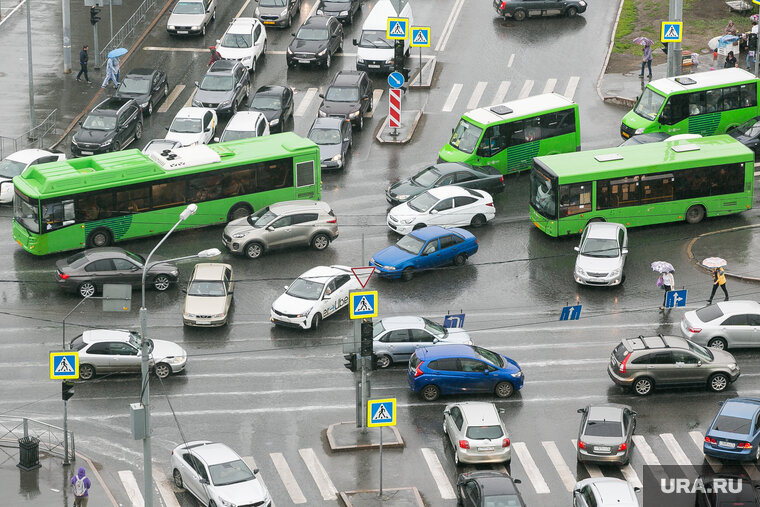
662	267
714	262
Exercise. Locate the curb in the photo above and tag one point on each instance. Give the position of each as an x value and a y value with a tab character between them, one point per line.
334	447
100	479
690	254
609	52
405	140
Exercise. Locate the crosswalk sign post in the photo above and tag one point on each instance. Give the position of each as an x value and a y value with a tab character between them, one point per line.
381	413
397	28
362	305
64	365
671	31
419	38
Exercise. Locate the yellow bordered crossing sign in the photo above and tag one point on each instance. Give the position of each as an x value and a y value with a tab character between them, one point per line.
671	31
64	365
420	37
398	28
362	305
381	412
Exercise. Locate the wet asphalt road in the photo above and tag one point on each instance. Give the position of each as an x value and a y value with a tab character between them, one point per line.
266	391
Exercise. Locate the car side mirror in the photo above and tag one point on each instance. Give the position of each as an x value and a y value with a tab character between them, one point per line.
625	251
699	363
633	414
356	42
637	489
720	403
202	480
255	471
216	139
577	248
502	411
293	34
286	287
269	228
517	481
345	139
208	129
446	412
433	211
580	410
80	123
197	85
436	340
321	95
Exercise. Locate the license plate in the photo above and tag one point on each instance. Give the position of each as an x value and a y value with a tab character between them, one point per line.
373	66
303	60
601	448
269	22
625	135
727	445
87	152
485	449
182	32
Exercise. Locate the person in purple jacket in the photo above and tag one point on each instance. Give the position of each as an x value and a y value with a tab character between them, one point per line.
646	60
80	483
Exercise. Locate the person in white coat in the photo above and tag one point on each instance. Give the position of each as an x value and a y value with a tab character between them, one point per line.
668	283
112	72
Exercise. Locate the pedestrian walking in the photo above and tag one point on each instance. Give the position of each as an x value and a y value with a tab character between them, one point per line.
730	61
646	60
83	59
112	72
214	55
81	486
668	283
719	280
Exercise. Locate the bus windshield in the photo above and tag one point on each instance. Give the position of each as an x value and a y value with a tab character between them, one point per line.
543	194
25	212
466	136
649	104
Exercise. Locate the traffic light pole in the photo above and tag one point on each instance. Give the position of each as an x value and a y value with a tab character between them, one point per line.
65	433
94	21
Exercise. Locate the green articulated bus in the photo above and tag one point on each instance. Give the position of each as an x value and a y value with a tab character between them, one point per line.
99	200
705	103
507	136
642	184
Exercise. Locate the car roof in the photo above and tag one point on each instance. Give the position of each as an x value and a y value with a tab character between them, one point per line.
222	67
326	271
745	408
347	78
284	207
732	307
270	90
101	252
643	343
214	452
602	230
112	105
402	322
449	191
317	21
480	413
141	72
105	335
28	155
329	122
611	491
241	25
210	270
244	120
447	350
605	413
448	167
435	231
192	112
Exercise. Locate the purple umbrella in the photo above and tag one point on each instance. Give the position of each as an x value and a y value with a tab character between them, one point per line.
643	41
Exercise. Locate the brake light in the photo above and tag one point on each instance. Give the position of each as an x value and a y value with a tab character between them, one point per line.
464	444
418	372
63	276
710	440
489	204
501	180
333	221
622	447
744	445
625	361
581	444
503	5
505	442
695	329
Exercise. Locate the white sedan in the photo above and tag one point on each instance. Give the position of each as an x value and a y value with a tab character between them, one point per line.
16	163
244	40
315	295
192	126
447	206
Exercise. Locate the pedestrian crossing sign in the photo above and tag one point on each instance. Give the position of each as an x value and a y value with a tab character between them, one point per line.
398	28
381	412
672	31
420	37
64	365
362	305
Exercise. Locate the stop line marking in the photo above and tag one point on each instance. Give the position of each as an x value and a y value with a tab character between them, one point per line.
287	478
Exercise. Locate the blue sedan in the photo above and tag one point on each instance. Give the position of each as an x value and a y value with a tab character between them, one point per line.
735	432
425	248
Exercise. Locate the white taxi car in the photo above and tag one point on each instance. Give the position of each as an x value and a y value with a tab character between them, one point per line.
245	40
192	126
313	296
15	163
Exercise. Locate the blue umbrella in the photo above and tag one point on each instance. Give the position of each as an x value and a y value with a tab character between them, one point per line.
727	39
115	53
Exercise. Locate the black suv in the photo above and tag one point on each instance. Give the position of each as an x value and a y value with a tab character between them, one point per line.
110	126
316	41
147	86
225	87
349	96
520	9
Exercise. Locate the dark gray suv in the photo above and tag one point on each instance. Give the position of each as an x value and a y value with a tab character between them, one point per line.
663	361
225	87
111	126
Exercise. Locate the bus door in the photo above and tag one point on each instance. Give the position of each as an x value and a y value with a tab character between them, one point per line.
306	180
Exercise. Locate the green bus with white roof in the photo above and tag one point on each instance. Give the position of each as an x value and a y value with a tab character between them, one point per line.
507	136
705	103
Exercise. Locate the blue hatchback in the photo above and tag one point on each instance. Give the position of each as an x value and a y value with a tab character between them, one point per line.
735	432
454	369
425	248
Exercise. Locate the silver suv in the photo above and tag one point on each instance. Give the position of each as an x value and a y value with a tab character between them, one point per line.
643	362
281	225
477	433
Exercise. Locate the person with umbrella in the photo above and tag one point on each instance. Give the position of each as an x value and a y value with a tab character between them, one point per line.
112	67
646	59
666	281
719	276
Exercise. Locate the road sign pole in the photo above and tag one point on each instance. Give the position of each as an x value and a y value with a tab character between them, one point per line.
757	49
65	433
419	79
359	406
381	461
675	58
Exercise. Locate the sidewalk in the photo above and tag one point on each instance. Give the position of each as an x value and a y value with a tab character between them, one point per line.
740	246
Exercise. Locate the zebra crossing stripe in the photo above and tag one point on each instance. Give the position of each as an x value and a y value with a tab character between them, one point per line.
675	449
631	476
699	440
452	98
646	452
511	60
572	84
164	486
501	93
531	470
248	460
318	472
568	479
593	470
130	486
527	87
550	84
287	478
304	105
477	93
439	476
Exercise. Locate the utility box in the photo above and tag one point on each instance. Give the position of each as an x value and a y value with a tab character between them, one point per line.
137	420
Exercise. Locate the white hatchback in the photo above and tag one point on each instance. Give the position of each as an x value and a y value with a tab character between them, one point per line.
604	492
601	254
245	40
477	433
243	125
447	206
192	126
15	163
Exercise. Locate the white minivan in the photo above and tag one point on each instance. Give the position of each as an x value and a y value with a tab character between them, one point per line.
375	52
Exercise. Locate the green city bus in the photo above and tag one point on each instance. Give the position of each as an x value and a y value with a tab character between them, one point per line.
704	103
98	200
642	184
507	136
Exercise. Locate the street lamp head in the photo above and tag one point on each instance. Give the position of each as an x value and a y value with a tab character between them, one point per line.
190	210
211	252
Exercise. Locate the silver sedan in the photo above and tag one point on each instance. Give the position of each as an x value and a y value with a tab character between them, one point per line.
605	433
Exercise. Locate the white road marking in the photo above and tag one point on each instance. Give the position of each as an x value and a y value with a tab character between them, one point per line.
449	25
501	93
184	50
675	449
593	470
550	84
305	101
477	93
453	24
165	487
568	479
699	441
631	476
511	60
133	490
287	478
171	98
377	93
189	101
757	173
248	460
527	87
240	12
452	99
572	84
646	452
752	471
439	476
530	468
318	472
313	9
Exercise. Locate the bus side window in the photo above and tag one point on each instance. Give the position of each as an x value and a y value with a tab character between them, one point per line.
170	193
493	141
749	95
713	98
87	208
727	179
58	214
625	191
657	188
133	200
731	98
605	199
574	199
676	109
204	187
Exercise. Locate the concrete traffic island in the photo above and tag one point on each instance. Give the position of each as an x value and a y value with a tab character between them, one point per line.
409	121
345	436
396	497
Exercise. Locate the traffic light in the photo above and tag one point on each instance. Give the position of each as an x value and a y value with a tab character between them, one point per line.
94	18
366	334
67	390
351	364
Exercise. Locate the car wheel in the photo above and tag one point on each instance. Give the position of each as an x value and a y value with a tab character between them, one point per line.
504	389
430	392
445	430
178	479
86	289
383	361
253	250
571	12
163	370
290	20
115	146
340	46
519	15
757	454
695	214
99	238
320	242
234	107
456	458
419	226
643	386
150	107
718	343
239	210
316	321
360	126
161	282
478	220
460	259
86	371
407	274
203	31
718	382
166	90
139	126
328	61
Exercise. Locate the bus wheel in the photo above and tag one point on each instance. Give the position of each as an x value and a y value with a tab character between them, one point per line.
99	238
695	214
239	210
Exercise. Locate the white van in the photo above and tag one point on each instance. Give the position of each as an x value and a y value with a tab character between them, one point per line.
375	52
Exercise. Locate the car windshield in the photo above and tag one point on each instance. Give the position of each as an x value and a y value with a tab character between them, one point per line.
312	33
374	39
188	8
99	122
234	135
649	104
262	218
427	177
186	125
709	313
435	329
597	247
342	94
750	128
265	103
216	83
325	136
731	424
410	244
603	429
543	194
465	136
489	356
273	3
11	168
305	289
236	40
134	340
229	473
25	212
206	288
134	85
701	351
501	501
484	432
422	202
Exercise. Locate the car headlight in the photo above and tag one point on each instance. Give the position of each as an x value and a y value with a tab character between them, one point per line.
322	53
238	235
732	366
343	13
616	272
73	142
582	3
107	142
516	375
405	220
402	197
195	28
580	271
227	503
246	59
284	13
143	106
225	103
354	114
290	51
256	12
322	114
320	12
390	268
217	316
360	60
175	360
170	27
639	131
197	103
274	122
190	315
304	315
336	158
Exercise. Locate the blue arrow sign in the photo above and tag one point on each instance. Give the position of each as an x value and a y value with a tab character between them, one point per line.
453	320
675	298
395	79
571	312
